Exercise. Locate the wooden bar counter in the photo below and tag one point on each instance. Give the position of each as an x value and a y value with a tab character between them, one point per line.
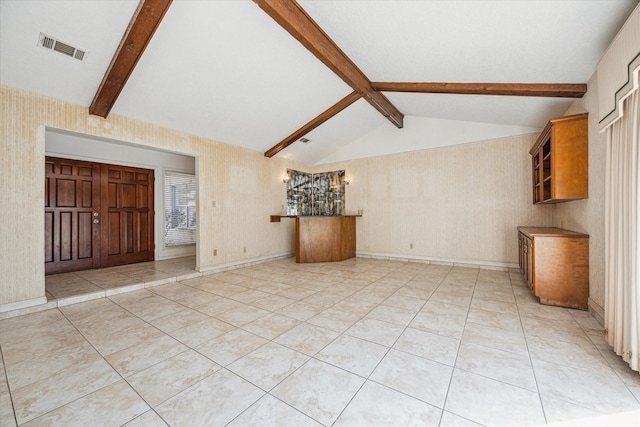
325	238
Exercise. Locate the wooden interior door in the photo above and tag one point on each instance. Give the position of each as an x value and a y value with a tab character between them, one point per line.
96	215
72	204
127	218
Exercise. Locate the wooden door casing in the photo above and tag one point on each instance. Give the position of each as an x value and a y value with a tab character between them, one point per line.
96	215
72	203
127	215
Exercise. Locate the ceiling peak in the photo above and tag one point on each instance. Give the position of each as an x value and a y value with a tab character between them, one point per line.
292	17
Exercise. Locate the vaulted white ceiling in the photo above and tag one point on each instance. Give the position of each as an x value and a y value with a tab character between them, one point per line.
226	71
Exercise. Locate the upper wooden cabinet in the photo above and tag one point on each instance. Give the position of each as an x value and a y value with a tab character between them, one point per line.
560	160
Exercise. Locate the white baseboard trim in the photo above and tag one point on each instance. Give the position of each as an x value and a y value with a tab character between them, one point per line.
174	256
234	265
488	265
20	305
596	310
38	304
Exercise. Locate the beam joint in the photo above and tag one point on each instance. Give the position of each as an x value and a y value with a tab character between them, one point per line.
293	18
326	115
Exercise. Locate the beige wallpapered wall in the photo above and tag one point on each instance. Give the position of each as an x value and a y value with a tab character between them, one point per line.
245	185
457	204
587	216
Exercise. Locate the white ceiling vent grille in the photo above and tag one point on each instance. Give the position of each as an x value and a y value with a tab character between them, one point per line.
50	43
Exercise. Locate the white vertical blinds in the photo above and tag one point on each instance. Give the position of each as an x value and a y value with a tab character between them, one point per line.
179	209
622	234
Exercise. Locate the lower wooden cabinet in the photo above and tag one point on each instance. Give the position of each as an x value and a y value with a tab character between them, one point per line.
555	264
328	238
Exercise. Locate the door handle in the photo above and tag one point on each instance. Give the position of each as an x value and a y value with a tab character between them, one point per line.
96	221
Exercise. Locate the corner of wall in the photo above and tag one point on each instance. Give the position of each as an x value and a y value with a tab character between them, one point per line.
587	216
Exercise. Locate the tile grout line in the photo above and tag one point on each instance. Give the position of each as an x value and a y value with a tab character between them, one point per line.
372	371
299	367
93	391
267	392
4	372
314	358
368	378
446	396
378	364
343	276
188	348
526	342
599	350
531	359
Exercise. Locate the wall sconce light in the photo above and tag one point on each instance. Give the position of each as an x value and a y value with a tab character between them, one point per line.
286	178
347	180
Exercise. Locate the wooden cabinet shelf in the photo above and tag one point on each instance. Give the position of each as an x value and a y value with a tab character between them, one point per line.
555	265
560	161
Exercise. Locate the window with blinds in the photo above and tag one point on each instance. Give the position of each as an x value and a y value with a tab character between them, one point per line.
179	209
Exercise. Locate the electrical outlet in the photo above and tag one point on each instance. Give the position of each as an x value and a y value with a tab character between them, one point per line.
244	250
410	245
360	211
215	252
213	203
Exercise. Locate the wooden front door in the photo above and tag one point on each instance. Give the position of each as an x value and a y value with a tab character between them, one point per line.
127	220
96	215
72	203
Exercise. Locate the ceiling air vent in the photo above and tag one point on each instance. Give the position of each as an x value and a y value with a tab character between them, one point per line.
50	43
305	140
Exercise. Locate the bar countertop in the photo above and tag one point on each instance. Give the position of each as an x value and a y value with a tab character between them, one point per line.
277	218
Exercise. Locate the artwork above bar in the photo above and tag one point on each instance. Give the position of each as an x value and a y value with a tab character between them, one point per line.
315	194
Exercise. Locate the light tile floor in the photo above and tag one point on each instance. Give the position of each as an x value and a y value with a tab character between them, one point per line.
361	342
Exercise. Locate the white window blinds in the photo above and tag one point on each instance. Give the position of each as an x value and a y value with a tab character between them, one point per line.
179	209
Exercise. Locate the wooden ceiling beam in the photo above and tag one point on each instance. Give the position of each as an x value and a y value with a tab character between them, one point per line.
553	90
135	40
326	115
290	16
